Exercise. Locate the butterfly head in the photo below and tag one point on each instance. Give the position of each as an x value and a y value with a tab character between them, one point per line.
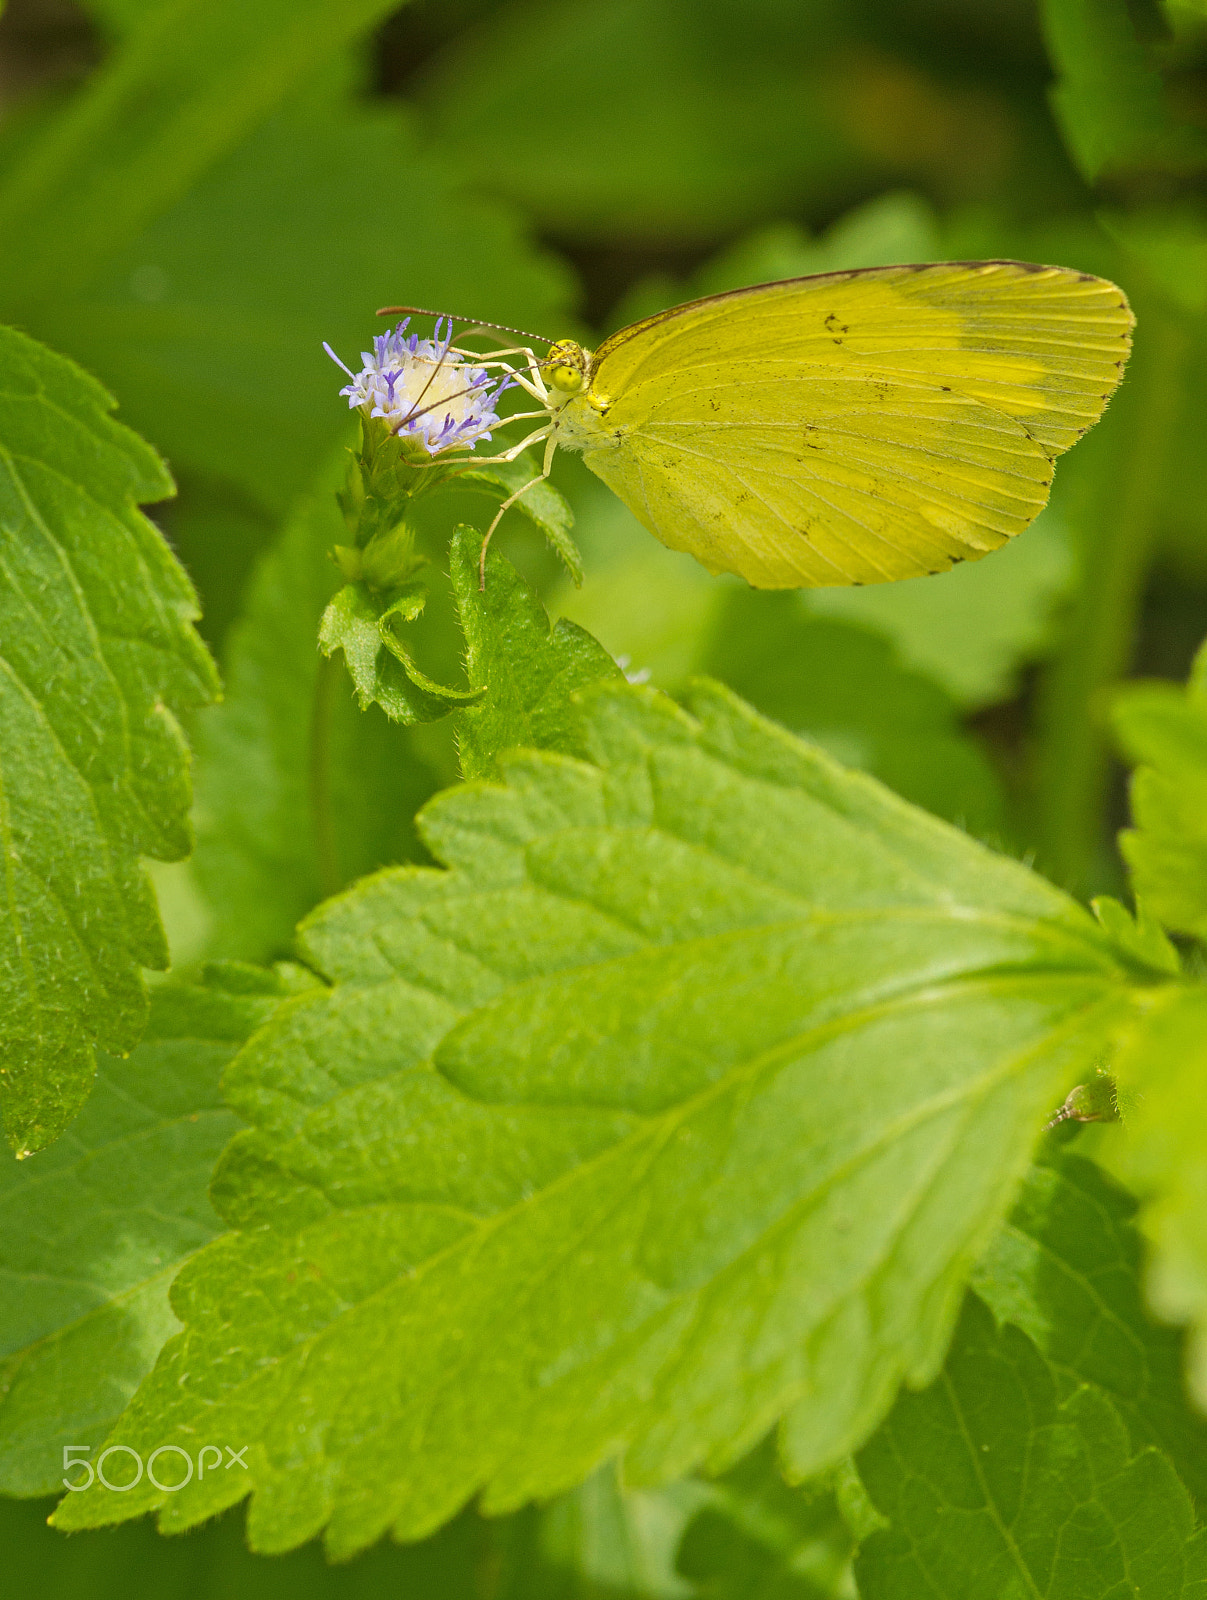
565	368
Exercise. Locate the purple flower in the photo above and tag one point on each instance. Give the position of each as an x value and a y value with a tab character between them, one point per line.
425	391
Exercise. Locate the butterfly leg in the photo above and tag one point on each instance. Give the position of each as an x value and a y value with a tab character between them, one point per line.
528	376
550	447
506	455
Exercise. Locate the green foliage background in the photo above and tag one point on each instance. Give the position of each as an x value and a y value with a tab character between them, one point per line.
696	1061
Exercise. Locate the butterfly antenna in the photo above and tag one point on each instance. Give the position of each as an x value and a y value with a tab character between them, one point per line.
471	325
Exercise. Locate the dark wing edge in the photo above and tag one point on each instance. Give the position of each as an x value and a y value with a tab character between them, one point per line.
622	335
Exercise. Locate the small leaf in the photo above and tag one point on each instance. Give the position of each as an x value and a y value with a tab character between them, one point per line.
92	1232
1165	729
757	1536
1140	934
382	670
1066	1269
542	504
1000	1481
529	670
683	1101
602	1542
1161	1154
1109	99
97	656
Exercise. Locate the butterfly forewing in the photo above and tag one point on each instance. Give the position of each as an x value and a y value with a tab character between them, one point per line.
856	427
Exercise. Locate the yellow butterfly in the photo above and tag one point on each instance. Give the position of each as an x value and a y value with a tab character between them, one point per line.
849	428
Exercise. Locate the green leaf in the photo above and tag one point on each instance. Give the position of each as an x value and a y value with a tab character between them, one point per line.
93	1231
758	1537
844	687
1066	1269
684	1100
1109	99
366	628
98	654
529	671
1140	934
1161	1154
182	91
1165	729
258	842
541	504
210	323
1000	1480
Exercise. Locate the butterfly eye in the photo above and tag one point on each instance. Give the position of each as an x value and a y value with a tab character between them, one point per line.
565	366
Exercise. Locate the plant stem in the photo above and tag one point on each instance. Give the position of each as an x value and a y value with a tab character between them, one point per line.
321	809
1120	476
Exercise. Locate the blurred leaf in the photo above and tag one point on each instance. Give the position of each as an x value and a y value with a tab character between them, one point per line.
972	629
528	670
557	1166
92	1232
651	607
1109	98
468	1560
666	138
594	1544
185	88
1066	1270
210	324
257	854
120	17
600	1542
647	122
1140	934
1172	244
844	687
757	1538
1165	730
1002	1481
99	654
219	533
1161	1154
1113	495
890	229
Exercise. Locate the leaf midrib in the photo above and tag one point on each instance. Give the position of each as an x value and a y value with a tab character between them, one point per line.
659	1136
666	1124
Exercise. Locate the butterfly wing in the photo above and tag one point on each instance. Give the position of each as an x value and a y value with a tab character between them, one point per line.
855	427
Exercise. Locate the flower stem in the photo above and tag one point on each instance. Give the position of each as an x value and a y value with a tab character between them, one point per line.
1114	507
321	809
